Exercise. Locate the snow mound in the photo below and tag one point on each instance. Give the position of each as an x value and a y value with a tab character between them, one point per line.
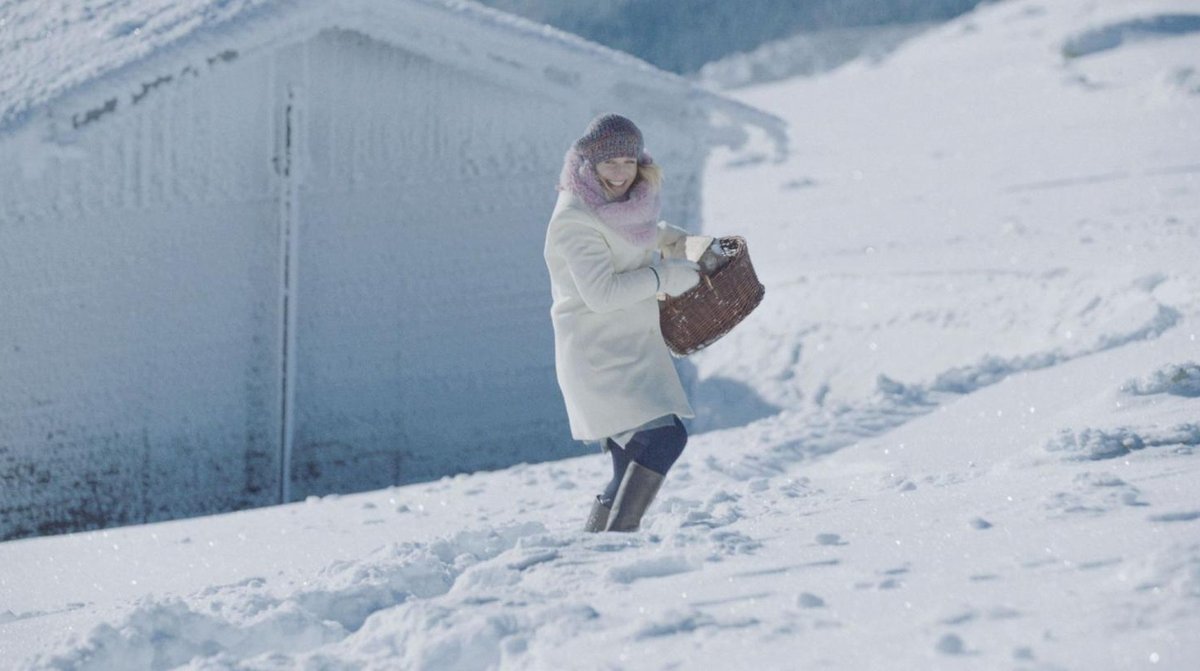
1176	379
1109	443
245	620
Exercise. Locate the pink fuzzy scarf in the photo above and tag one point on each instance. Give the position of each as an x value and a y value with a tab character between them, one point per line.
635	219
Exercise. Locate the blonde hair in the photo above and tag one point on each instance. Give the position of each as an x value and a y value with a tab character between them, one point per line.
649	172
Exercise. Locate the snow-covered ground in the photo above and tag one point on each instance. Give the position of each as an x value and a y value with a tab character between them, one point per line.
962	431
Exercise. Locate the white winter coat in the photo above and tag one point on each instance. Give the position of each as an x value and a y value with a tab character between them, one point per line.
613	367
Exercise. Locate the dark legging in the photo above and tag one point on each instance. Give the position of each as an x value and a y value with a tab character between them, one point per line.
656	449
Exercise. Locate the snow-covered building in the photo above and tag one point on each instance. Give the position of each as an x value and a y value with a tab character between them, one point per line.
256	250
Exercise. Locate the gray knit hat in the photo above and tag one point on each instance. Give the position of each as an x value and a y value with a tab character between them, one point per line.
610	136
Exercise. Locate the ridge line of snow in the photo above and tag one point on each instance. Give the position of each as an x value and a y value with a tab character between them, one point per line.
896	403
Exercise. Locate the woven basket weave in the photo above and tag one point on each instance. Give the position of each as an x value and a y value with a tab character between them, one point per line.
699	317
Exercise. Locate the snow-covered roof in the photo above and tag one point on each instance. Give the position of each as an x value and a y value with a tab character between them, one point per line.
50	50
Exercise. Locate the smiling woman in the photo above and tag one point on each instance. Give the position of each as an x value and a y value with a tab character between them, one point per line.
617	174
616	375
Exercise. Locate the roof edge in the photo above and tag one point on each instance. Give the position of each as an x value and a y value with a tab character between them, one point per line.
410	24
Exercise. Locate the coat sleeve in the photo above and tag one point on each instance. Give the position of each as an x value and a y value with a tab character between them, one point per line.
589	261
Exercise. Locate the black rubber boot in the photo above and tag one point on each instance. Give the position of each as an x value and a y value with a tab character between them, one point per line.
638	489
598	519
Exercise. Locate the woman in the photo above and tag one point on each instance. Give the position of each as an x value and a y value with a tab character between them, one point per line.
616	375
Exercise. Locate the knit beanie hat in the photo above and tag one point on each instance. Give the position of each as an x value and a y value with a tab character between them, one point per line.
609	136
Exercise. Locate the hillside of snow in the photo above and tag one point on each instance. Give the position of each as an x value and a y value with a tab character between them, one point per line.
962	430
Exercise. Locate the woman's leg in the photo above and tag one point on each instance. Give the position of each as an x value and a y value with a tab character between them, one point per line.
620	461
657	449
602	505
652	453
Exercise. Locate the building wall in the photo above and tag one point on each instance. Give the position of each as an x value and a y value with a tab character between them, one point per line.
139	311
423	299
150	362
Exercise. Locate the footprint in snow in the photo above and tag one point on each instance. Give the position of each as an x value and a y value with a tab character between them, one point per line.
795	489
882	585
731	543
701	518
971	615
718	511
960	618
830	539
951	644
1003	613
807	600
532	558
658	567
1094	494
897	482
891	579
785	570
606	544
1099	563
1187	516
689	622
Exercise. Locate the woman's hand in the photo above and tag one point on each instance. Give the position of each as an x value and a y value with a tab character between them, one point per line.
671	240
676	276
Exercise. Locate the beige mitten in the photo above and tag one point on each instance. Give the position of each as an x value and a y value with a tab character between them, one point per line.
677	276
671	240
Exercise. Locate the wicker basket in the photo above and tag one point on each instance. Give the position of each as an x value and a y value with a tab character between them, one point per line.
700	316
